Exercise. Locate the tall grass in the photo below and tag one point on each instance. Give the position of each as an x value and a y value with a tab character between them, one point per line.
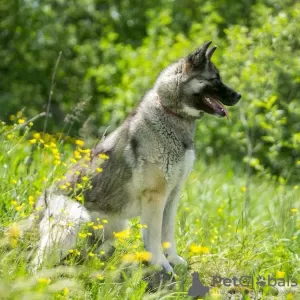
216	233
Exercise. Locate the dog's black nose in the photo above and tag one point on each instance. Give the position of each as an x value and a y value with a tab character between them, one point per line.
238	96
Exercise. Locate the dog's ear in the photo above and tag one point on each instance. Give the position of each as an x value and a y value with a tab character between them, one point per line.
210	52
197	58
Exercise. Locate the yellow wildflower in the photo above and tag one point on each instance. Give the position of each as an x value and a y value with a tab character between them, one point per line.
54	151
85	178
99	170
243	189
294	210
138	256
31	200
19	207
87	151
79	186
122	234
198	249
79	198
65	292
103	156
21	121
37	135
96	227
290	296
79	143
129	257
82	235
280	274
32	141
76	252
91	254
44	280
57	162
143	256
142	226
100	277
166	245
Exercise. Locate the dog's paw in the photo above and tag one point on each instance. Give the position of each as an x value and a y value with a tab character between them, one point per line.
161	264
176	260
166	266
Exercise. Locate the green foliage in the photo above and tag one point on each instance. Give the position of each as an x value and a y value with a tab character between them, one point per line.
112	51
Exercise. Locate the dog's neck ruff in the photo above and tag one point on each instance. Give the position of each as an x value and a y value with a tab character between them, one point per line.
167	110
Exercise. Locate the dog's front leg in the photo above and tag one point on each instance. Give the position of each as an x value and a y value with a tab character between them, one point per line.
168	228
153	203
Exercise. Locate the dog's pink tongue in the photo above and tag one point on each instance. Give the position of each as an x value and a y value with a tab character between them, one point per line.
217	106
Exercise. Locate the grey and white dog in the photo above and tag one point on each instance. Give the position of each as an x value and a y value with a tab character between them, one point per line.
150	156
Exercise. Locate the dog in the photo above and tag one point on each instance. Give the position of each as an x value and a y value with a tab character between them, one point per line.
149	158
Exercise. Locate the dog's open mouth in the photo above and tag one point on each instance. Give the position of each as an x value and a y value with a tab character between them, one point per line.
214	106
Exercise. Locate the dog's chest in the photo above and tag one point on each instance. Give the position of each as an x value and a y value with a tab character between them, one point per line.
181	169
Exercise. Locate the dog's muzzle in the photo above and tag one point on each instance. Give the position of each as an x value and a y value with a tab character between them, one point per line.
229	96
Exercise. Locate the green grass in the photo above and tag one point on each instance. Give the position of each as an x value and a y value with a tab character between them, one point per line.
216	231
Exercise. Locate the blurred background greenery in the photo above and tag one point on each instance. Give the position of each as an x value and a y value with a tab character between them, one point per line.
112	52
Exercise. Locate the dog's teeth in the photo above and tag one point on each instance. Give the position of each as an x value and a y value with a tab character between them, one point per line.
208	100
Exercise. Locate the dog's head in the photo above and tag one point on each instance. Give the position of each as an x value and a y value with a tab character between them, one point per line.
201	88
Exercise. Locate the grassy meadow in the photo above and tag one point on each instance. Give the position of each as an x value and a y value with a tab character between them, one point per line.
228	224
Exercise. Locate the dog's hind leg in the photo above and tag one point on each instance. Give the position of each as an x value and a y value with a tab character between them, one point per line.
58	229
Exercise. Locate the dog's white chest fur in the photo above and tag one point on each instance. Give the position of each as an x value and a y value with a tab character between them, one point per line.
182	169
188	161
